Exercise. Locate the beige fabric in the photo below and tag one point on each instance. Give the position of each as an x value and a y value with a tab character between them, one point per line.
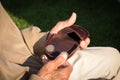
35	39
96	62
9	70
12	45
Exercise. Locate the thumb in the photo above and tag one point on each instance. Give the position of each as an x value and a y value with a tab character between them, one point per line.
60	59
62	24
70	21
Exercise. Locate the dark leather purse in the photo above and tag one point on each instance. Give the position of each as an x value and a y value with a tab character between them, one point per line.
67	39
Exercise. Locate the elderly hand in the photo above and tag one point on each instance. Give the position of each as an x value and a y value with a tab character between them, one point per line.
58	69
62	24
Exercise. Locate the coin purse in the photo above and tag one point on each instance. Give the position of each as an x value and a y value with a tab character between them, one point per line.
66	40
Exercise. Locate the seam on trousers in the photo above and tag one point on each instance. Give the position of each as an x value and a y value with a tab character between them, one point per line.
25	42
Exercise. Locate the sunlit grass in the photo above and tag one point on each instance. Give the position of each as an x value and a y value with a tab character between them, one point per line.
20	22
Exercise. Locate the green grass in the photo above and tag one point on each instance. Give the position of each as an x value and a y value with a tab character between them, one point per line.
100	17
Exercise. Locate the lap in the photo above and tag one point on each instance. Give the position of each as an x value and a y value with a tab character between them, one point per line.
95	62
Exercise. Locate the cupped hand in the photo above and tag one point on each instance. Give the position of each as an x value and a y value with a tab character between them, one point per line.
62	24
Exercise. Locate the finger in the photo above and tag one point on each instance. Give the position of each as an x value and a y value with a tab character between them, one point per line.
70	21
67	69
87	41
62	24
60	59
83	45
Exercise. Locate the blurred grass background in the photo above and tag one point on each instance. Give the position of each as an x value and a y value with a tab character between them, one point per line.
100	17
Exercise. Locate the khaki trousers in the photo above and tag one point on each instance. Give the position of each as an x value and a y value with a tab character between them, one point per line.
96	63
20	55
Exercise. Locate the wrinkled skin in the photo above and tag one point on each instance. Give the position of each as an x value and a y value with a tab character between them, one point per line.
59	68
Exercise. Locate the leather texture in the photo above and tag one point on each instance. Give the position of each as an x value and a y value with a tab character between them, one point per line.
66	40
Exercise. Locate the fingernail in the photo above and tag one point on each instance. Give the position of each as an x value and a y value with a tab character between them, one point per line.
64	54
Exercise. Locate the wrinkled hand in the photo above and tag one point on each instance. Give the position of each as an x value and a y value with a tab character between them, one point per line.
62	24
58	69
